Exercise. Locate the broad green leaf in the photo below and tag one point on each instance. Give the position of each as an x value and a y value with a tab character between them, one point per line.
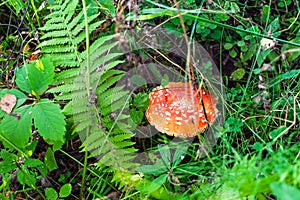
65	190
51	194
49	120
261	57
22	78
17	130
108	7
285	192
50	160
136	116
40	75
157	183
290	74
35	78
233	53
31	162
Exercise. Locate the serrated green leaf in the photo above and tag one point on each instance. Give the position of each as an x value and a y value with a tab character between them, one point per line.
40	75
17	131
36	77
49	120
22	78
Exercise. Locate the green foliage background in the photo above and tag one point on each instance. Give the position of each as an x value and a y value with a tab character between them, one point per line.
70	92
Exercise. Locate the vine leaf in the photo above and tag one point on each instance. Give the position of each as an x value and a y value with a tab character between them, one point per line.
49	120
35	78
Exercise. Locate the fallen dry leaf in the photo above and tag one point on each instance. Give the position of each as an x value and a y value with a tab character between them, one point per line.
8	102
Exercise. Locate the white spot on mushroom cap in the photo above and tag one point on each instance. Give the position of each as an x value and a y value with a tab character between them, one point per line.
178	118
178	123
168	113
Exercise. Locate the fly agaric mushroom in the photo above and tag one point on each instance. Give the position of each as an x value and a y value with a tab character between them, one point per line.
177	109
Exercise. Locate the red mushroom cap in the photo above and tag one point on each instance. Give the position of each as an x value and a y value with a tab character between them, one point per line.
177	110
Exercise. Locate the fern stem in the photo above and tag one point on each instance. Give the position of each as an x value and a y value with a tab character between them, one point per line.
87	44
88	76
83	175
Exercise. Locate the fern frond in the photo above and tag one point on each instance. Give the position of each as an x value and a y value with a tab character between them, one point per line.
92	97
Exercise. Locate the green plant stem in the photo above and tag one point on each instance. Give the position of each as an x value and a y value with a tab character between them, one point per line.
87	44
83	175
36	13
88	75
